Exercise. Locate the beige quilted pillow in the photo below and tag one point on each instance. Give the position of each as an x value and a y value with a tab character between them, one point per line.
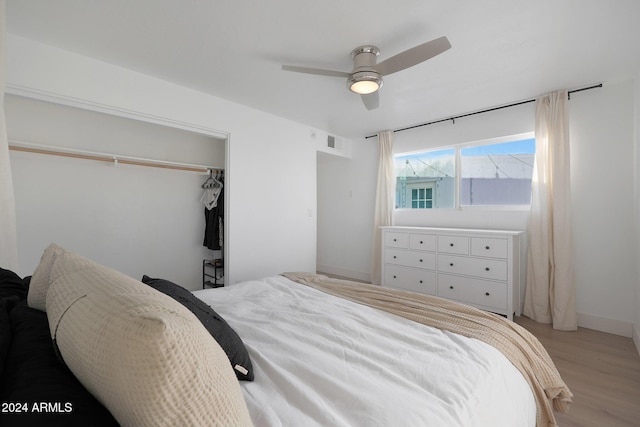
57	261
41	280
140	353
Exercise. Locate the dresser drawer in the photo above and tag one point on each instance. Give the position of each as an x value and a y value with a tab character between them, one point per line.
396	240
489	247
422	242
479	267
453	244
492	295
410	279
410	258
473	266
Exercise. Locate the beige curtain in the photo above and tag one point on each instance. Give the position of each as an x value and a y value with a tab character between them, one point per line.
385	200
550	293
8	244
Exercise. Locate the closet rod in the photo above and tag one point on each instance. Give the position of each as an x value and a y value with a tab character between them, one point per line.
487	110
105	157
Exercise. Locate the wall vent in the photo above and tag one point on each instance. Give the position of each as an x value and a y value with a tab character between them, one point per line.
331	141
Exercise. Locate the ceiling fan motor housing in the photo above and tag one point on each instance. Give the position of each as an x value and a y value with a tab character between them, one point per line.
364	78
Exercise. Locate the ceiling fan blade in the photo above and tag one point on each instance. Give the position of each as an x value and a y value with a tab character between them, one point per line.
413	56
317	71
371	100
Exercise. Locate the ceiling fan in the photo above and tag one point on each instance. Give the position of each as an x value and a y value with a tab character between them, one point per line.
366	77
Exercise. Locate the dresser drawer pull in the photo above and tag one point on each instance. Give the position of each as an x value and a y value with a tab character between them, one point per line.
420	260
395	277
487	293
451	244
487	247
394	257
487	269
450	287
420	281
395	240
450	264
421	242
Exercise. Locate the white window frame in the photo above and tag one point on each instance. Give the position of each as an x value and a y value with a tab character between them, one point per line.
458	173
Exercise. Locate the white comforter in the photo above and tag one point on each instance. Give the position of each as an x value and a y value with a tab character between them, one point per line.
320	360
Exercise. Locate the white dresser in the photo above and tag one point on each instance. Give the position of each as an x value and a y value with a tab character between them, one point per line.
475	267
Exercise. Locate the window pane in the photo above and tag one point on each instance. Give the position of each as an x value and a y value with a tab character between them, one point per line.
497	174
432	174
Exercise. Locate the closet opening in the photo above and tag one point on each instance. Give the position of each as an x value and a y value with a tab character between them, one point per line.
140	211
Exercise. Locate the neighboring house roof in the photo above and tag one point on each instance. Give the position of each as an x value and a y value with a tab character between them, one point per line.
498	166
518	166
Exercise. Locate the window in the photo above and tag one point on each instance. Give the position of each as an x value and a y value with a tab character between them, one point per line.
497	174
489	174
421	195
426	180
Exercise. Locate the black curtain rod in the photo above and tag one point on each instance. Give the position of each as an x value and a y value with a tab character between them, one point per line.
453	118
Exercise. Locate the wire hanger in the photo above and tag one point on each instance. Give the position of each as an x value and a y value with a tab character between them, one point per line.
216	181
210	182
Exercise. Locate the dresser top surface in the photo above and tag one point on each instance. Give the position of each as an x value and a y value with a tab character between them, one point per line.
445	230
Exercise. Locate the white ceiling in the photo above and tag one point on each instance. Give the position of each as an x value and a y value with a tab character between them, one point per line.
503	50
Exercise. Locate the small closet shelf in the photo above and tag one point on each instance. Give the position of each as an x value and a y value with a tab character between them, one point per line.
212	273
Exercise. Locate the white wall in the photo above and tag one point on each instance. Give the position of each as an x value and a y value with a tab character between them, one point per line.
107	212
602	162
636	111
271	174
603	211
345	211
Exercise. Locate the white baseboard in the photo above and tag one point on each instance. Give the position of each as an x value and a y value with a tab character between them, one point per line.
616	327
337	271
636	338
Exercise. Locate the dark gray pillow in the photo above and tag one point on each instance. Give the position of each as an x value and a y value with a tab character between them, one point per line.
216	325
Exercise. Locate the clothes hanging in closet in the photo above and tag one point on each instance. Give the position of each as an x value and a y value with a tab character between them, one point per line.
211	194
213	200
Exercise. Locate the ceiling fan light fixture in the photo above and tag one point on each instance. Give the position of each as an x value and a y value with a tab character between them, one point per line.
366	76
364	82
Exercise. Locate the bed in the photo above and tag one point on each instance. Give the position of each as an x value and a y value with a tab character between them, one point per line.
322	360
314	356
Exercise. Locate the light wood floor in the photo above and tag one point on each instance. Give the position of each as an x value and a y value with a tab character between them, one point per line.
602	371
